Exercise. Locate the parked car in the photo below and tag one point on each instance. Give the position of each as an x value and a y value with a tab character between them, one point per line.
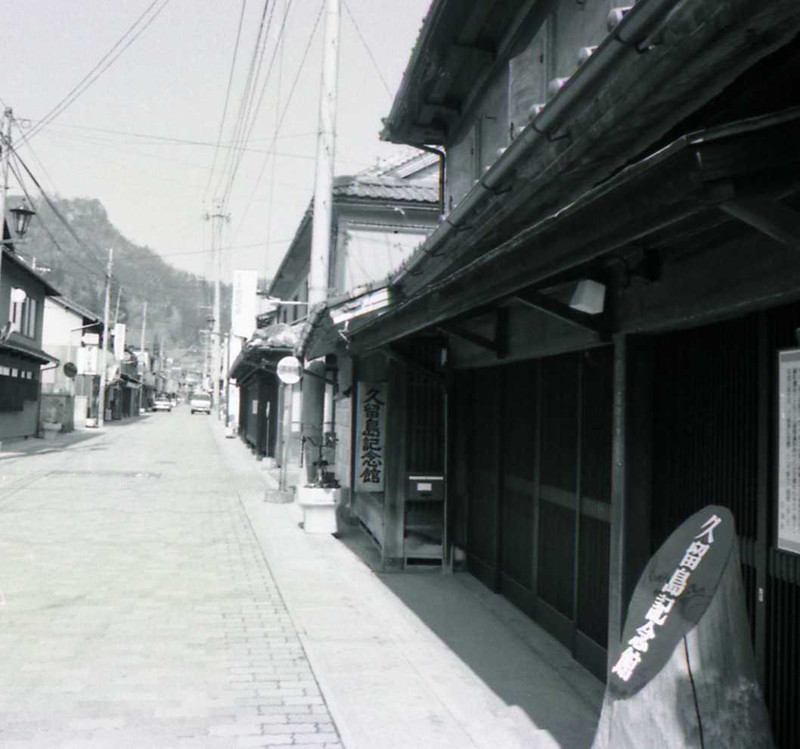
162	404
200	403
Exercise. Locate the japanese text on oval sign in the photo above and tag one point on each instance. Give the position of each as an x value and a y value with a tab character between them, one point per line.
371	438
659	611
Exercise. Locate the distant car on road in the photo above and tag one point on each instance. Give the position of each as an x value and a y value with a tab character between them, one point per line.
200	403
162	404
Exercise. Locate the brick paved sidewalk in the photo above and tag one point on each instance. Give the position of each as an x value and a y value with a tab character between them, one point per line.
136	607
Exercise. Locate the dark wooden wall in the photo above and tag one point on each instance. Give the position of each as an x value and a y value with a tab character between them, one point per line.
714	425
530	487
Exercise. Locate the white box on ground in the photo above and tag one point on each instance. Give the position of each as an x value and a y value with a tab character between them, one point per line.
319	508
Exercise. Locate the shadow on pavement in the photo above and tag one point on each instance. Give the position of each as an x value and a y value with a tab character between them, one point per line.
39	446
509	652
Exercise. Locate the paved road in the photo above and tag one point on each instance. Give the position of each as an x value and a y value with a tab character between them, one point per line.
136	607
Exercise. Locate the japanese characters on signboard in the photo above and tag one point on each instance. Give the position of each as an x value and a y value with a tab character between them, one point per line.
789	451
671	596
371	437
244	301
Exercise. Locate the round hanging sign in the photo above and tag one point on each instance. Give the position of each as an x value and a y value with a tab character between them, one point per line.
673	593
289	370
70	370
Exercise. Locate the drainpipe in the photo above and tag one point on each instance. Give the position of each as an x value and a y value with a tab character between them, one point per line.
438	152
630	35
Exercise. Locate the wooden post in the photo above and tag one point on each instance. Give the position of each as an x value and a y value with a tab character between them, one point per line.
101	412
631	474
497	462
396	466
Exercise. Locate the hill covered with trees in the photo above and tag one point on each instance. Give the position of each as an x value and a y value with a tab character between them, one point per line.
178	303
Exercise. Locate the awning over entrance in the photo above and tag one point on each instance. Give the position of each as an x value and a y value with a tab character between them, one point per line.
16	345
264	349
326	328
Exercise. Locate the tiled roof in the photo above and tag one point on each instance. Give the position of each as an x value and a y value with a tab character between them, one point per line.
77	308
385	188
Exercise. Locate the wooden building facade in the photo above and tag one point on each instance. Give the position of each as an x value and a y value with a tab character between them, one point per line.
663	175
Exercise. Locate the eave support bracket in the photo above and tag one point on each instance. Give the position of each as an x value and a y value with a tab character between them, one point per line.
498	345
544	303
769	216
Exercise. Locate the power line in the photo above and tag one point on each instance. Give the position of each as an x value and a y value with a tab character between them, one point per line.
227	98
46	228
191	282
271	150
97	70
58	213
246	97
366	47
225	249
170	140
254	110
120	145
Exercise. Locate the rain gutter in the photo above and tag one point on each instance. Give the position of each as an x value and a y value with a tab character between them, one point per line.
633	32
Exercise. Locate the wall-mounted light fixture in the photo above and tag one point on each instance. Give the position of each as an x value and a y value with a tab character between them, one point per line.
22	218
589	297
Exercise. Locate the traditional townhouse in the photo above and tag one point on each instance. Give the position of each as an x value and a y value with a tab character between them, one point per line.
22	296
601	337
70	333
380	217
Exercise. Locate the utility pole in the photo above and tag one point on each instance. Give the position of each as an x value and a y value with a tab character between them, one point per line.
326	144
313	383
101	415
116	309
144	326
5	154
217	218
141	349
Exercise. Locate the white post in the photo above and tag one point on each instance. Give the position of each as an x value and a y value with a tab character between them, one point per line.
216	247
326	144
141	349
101	415
319	270
5	153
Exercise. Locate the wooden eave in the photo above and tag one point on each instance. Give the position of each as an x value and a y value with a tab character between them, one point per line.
689	183
644	96
459	43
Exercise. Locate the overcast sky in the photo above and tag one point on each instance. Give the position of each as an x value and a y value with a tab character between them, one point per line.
170	83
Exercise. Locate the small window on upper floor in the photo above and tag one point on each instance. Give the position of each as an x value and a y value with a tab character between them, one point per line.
528	76
22	313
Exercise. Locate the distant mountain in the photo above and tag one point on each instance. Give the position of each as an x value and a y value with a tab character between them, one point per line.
178	303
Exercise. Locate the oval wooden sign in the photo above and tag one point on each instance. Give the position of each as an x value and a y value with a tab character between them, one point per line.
671	596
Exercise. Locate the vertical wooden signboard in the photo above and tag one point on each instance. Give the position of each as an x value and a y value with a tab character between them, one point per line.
683	674
371	437
789	451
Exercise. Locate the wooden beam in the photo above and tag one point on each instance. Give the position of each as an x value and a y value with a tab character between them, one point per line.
769	216
407	361
451	329
498	345
544	303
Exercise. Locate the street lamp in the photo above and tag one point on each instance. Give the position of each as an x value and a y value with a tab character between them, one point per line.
22	218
